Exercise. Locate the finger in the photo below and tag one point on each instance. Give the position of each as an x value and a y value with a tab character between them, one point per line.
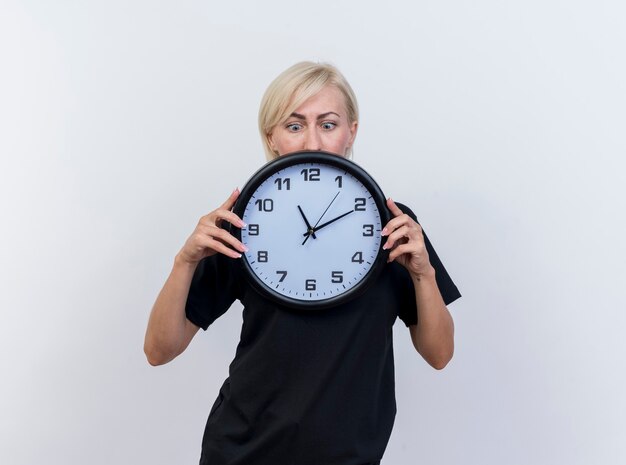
398	222
230	201
221	248
401	250
213	244
221	235
395	236
227	206
408	232
215	218
229	216
394	224
226	238
414	248
395	210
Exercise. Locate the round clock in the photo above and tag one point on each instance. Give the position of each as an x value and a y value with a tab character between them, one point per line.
313	231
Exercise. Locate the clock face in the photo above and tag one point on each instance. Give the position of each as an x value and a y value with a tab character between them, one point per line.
313	229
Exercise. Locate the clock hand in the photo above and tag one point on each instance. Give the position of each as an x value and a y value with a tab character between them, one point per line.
308	226
328	222
320	219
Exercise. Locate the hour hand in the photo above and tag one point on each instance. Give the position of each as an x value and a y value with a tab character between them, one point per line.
310	231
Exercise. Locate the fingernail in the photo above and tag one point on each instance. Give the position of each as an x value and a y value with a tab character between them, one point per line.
244	248
384	232
242	224
386	246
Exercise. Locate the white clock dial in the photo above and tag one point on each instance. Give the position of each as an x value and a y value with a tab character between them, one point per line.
286	256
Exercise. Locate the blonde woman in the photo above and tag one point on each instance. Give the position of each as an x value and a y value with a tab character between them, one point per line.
304	388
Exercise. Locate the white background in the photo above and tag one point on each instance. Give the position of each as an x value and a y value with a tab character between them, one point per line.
500	123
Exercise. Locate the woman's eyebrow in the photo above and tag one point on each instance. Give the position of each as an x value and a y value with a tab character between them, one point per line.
322	116
327	114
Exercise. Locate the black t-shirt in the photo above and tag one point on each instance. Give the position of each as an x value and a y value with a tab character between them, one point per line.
306	388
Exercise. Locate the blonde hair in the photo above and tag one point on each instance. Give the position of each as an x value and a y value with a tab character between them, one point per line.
292	88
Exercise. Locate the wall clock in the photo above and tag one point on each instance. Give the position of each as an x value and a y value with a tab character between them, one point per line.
314	222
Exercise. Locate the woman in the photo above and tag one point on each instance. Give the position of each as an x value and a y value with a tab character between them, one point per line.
314	388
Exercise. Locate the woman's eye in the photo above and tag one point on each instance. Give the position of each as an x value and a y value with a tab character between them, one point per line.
294	127
328	125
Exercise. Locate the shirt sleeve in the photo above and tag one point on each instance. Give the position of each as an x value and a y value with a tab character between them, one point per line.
447	288
214	287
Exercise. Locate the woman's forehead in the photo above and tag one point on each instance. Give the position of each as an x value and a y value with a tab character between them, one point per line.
328	100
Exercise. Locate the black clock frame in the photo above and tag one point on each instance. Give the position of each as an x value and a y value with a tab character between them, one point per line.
325	158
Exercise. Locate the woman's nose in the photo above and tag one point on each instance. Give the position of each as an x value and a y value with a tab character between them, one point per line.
313	141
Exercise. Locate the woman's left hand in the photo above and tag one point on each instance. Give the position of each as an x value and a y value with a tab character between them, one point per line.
406	241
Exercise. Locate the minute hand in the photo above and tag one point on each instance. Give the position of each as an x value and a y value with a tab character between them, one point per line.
323	225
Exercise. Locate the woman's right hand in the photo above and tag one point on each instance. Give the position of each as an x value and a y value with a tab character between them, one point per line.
209	238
